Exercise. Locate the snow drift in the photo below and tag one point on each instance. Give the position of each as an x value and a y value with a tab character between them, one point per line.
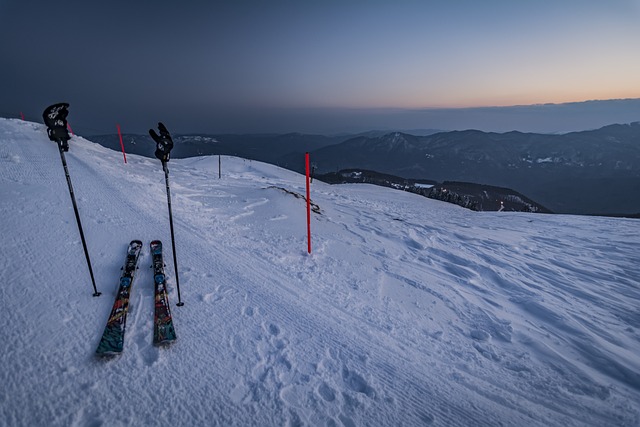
409	311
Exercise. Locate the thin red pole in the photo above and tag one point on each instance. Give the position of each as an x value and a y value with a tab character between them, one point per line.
22	115
121	144
70	130
306	160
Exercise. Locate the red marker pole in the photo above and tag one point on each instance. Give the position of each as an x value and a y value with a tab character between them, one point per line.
121	144
306	160
22	115
69	127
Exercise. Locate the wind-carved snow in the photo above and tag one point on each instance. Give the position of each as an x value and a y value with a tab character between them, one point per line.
409	311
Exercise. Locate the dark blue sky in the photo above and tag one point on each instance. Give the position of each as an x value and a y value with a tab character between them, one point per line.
311	66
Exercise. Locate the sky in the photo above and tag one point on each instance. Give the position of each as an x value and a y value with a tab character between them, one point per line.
252	65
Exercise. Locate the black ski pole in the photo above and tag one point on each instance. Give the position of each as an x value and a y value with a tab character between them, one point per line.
75	210
164	144
173	242
55	117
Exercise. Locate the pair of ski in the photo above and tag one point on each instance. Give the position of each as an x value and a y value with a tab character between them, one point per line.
112	341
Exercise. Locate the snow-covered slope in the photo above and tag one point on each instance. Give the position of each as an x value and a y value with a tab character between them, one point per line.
409	311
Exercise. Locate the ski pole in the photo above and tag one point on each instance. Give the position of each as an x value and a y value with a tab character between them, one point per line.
55	118
173	243
75	210
164	144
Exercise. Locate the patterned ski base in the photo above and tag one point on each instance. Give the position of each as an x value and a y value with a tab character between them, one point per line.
112	341
163	330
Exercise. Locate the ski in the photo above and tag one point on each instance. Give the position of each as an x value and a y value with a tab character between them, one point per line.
112	341
163	330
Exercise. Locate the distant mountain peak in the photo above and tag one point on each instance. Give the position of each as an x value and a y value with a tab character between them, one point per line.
396	141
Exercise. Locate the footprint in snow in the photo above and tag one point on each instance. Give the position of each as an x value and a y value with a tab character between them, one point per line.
357	383
211	298
326	392
273	329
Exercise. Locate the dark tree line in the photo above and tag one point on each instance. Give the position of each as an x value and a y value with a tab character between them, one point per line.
445	195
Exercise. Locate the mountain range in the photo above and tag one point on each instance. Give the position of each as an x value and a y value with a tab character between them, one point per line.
588	172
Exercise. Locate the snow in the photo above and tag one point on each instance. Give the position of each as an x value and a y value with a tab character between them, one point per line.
546	160
409	311
419	185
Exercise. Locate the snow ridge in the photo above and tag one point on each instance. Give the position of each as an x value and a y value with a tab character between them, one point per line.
409	311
